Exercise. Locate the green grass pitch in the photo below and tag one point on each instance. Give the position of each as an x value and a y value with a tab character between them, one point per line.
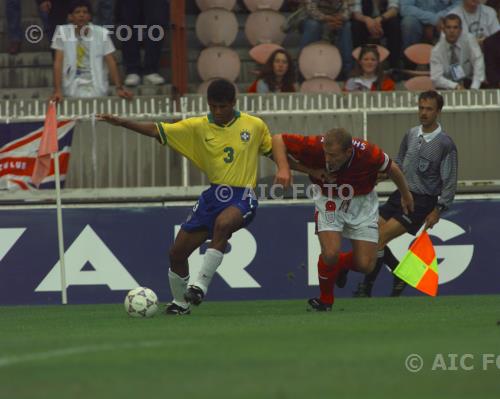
257	350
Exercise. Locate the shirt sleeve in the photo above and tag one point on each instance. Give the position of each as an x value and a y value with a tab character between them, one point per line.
108	46
493	23
477	62
266	147
57	41
180	136
378	158
449	172
296	146
403	148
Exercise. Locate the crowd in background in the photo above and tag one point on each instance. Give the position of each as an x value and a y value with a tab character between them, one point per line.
465	35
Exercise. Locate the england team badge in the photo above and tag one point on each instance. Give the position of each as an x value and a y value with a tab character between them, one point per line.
330	208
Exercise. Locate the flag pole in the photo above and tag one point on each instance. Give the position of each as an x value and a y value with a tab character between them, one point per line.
60	235
49	149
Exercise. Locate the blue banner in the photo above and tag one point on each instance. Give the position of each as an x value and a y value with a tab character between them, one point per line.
111	250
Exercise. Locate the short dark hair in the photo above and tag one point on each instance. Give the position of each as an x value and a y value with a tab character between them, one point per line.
453	17
432	95
339	136
79	3
221	90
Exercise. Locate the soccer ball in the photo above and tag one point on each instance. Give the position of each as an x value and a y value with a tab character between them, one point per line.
141	302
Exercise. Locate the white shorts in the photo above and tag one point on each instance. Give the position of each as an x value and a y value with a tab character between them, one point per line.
356	219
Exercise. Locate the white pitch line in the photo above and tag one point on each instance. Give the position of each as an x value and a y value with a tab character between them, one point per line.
6	361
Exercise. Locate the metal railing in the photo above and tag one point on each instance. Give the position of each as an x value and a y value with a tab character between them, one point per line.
113	159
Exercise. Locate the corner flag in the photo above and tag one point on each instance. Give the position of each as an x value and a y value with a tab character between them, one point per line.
419	266
48	146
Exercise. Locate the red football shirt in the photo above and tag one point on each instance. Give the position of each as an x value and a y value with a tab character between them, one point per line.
360	171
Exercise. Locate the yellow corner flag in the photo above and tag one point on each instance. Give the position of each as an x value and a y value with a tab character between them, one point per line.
419	266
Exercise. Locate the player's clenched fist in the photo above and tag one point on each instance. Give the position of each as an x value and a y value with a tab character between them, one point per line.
283	177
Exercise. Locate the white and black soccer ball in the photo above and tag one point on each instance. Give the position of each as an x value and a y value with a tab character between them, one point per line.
141	302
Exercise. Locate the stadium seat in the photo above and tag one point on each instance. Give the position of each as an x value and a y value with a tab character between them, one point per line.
216	27
264	26
382	51
320	85
419	83
320	59
419	53
204	5
254	5
202	88
260	53
218	62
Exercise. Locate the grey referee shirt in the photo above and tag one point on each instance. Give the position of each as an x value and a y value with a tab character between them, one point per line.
430	163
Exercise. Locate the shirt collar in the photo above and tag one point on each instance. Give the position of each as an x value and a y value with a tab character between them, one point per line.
429	136
456	44
237	114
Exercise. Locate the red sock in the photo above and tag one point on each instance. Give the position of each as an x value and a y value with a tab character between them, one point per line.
345	261
326	276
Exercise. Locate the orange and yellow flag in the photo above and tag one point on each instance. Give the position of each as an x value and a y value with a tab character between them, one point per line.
419	266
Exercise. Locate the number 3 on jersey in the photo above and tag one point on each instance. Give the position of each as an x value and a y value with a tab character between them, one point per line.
230	154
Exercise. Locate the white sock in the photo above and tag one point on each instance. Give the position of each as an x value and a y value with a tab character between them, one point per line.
211	261
178	287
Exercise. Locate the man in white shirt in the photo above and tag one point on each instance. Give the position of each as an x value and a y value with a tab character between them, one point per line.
456	59
477	19
83	57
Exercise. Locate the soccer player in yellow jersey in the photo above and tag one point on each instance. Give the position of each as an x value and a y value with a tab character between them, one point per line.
225	144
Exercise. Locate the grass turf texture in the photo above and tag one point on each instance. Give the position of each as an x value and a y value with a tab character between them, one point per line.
261	349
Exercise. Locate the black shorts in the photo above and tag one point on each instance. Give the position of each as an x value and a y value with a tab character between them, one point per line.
423	205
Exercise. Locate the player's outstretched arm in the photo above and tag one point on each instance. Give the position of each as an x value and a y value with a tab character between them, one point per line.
144	128
399	179
280	157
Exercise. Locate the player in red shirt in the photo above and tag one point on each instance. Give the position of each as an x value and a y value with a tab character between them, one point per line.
346	169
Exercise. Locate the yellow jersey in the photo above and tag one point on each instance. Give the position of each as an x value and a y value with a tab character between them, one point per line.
227	154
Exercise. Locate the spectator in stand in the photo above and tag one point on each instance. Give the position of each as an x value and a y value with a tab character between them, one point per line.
481	22
372	20
105	12
330	20
368	74
15	33
57	11
456	60
277	75
421	19
477	19
57	14
149	13
14	30
491	52
83	56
